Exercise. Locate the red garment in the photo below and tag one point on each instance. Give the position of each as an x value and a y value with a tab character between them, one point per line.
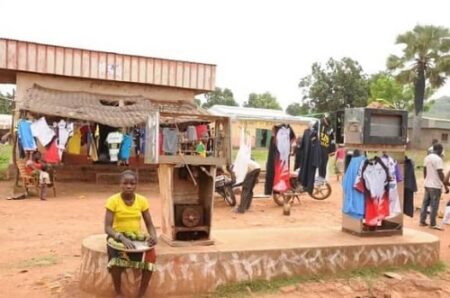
202	130
281	181
376	209
52	155
36	166
340	153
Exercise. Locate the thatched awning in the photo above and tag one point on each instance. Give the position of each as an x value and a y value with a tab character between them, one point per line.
111	110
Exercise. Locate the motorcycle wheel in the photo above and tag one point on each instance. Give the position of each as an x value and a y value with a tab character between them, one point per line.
321	191
228	195
278	199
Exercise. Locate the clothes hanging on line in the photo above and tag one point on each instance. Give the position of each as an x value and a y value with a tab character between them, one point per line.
42	131
277	166
114	139
51	154
74	144
125	147
394	177
310	158
373	182
65	131
354	204
170	140
26	135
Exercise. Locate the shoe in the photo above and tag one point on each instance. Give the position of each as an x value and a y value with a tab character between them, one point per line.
423	224
437	228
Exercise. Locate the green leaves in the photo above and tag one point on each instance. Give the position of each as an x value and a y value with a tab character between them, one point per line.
220	97
263	101
338	84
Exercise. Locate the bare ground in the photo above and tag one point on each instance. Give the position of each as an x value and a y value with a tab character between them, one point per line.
41	241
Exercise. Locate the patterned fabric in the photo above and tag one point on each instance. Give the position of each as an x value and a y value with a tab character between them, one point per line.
137	260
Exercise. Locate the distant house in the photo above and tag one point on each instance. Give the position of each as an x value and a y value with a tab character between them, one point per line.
435	123
258	123
5	123
432	128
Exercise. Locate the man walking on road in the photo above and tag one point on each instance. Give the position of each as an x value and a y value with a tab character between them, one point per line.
434	177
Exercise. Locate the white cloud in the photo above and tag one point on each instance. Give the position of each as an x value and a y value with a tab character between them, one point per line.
258	45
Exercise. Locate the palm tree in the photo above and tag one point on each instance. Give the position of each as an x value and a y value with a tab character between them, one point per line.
425	60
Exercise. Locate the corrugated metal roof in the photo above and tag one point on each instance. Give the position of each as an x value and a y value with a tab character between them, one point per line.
63	61
429	122
256	114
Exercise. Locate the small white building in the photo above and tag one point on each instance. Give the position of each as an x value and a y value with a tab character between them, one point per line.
258	123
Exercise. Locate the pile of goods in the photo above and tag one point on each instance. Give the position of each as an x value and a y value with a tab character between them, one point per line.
130	235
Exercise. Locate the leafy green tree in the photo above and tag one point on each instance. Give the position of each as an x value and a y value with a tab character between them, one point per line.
338	84
297	109
220	97
6	102
262	101
386	89
425	61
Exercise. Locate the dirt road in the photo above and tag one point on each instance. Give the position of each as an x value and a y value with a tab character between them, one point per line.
40	241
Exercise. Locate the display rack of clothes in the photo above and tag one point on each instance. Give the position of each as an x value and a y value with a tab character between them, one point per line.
278	165
370	188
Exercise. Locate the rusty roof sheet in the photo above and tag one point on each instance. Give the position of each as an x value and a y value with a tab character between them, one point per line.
101	108
72	62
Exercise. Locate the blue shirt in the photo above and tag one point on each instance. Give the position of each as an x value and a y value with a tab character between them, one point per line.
354	204
125	147
25	135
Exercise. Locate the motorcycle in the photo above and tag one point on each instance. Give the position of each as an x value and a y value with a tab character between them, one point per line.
224	187
321	191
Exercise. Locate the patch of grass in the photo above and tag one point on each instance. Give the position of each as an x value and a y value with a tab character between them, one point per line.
367	274
5	158
42	261
258	154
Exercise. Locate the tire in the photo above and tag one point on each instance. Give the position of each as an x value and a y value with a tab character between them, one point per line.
321	191
278	199
228	195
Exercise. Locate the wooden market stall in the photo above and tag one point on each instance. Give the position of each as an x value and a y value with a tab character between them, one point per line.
186	175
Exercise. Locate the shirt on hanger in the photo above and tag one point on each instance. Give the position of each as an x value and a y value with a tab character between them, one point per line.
51	155
42	131
372	182
191	133
65	130
26	135
170	140
114	139
125	147
74	145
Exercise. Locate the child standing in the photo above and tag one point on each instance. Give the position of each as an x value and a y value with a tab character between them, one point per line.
339	162
44	181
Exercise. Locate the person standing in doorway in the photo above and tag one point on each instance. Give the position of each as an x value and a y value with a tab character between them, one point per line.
434	181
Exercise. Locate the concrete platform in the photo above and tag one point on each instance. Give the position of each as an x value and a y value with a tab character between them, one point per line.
250	254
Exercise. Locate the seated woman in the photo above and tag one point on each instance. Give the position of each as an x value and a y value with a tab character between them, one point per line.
124	211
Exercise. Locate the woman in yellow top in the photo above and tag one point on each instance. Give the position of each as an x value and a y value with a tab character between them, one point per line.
124	211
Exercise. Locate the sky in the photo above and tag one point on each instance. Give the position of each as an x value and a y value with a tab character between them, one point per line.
258	46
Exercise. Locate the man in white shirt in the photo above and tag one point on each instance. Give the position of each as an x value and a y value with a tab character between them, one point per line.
253	170
434	177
